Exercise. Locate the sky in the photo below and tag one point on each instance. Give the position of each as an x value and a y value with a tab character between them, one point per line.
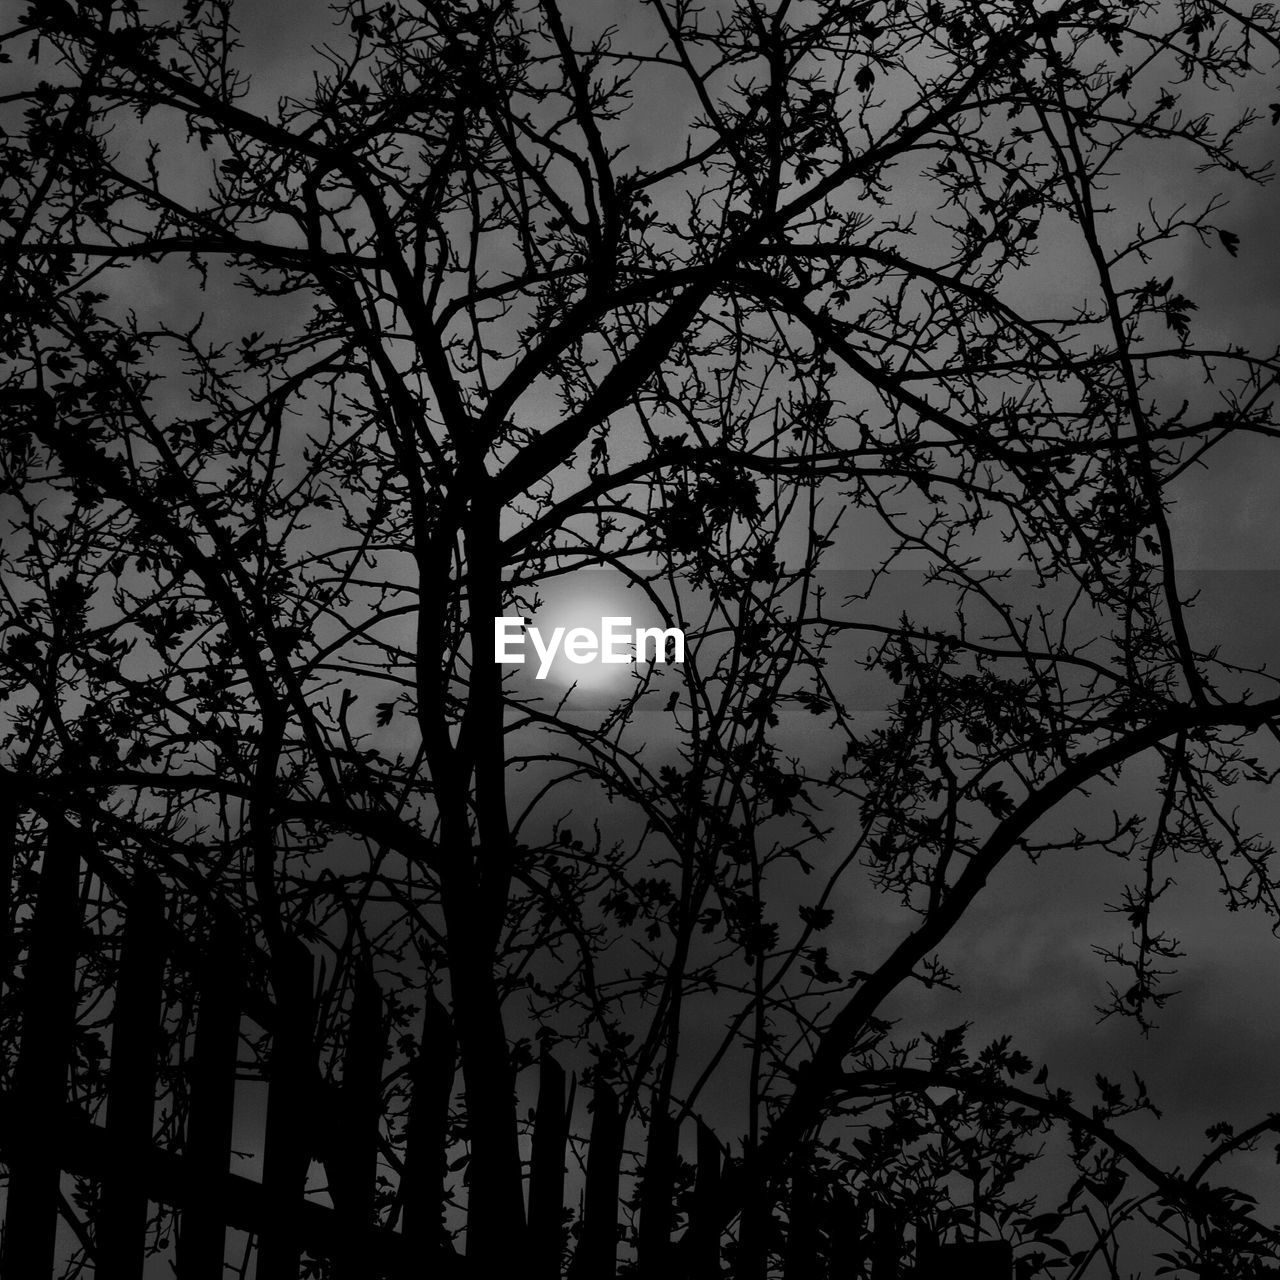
1025	954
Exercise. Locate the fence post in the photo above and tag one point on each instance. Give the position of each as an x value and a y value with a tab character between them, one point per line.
8	848
704	1219
657	1192
353	1173
546	1171
596	1257
886	1244
977	1260
291	1097
801	1256
40	1086
847	1238
202	1231
755	1224
135	1040
427	1135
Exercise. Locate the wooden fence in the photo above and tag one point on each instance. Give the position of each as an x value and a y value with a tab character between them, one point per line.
43	1135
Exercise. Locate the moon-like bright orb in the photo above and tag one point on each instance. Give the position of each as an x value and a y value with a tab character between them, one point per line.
585	599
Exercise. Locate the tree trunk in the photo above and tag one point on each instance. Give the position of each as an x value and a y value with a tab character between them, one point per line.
426	1140
495	1193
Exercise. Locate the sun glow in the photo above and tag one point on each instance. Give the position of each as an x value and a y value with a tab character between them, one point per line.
594	604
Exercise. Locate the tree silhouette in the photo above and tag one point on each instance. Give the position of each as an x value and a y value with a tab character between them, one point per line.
304	387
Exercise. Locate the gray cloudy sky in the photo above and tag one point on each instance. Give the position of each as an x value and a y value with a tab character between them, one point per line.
1024	954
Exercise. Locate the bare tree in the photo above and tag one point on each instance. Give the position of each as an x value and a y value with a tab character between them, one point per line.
301	395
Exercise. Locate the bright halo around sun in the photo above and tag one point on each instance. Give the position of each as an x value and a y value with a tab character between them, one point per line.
585	599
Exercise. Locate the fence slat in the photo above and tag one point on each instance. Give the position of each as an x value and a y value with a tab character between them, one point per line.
353	1172
87	1153
202	1230
286	1155
801	1255
546	1171
422	1183
8	848
886	1244
979	1260
754	1229
657	1193
704	1217
596	1257
48	1026
847	1243
135	1042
